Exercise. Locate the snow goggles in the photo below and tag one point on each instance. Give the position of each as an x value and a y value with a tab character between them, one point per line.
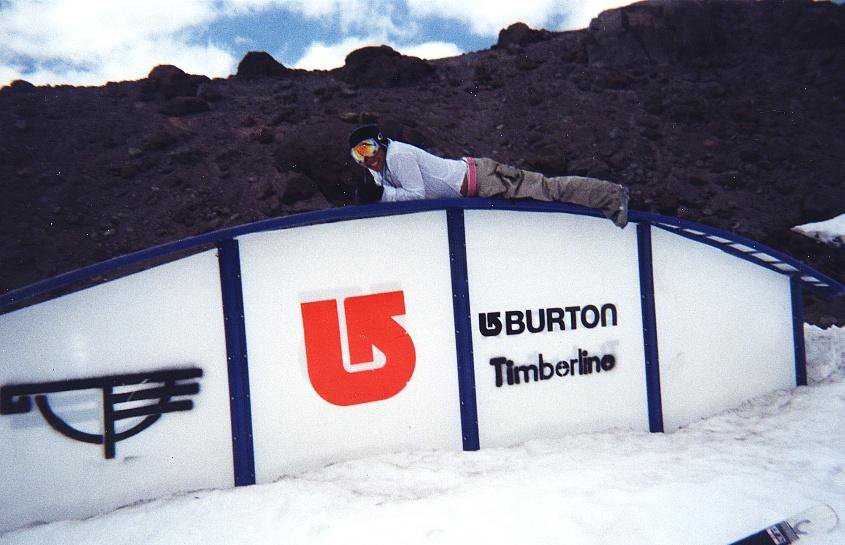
366	148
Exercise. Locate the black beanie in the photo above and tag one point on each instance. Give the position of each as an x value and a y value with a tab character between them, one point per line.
367	131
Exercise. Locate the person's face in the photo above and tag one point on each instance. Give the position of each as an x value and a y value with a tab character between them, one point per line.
376	162
369	154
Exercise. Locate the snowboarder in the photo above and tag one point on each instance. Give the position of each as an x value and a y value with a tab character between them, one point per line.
402	172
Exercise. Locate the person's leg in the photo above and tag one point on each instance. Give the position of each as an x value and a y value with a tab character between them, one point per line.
497	180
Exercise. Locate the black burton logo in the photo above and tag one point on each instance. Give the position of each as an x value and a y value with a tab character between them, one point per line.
508	373
16	399
516	322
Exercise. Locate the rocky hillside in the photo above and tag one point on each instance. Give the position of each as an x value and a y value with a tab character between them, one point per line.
730	113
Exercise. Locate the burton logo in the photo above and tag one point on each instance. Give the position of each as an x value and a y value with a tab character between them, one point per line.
508	373
17	399
381	354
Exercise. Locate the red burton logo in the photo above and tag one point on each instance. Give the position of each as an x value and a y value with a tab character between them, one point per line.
381	353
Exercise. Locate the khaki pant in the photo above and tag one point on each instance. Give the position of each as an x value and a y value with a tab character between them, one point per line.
497	180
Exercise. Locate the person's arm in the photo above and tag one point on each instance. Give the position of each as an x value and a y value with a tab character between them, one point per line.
405	172
368	190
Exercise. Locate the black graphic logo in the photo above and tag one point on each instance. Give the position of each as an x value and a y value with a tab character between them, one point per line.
16	399
516	322
508	373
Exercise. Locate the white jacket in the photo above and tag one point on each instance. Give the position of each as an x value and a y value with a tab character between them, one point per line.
411	173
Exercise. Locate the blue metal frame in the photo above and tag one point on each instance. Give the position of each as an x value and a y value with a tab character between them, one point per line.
236	355
681	227
244	464
756	253
798	332
652	360
463	328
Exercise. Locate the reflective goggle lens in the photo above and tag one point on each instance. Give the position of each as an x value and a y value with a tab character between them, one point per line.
367	148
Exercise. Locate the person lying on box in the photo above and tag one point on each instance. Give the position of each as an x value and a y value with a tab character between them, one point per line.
402	172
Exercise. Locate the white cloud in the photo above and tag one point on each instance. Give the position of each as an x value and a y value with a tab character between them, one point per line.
309	8
483	17
431	50
95	41
487	17
371	17
322	56
580	14
134	61
79	30
9	74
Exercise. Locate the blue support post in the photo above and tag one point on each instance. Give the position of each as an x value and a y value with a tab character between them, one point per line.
463	328
798	331
652	361
233	312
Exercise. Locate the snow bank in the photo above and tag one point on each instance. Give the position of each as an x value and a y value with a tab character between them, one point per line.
825	349
709	483
830	232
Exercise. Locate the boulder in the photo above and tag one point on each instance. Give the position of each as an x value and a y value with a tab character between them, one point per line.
18	86
170	81
657	32
383	67
520	34
259	64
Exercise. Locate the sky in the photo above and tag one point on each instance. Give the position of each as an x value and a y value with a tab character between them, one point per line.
91	42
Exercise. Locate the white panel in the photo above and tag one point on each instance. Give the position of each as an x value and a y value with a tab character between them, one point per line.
293	426
724	329
522	261
163	318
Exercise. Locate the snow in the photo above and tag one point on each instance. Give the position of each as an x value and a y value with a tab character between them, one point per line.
830	232
711	482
